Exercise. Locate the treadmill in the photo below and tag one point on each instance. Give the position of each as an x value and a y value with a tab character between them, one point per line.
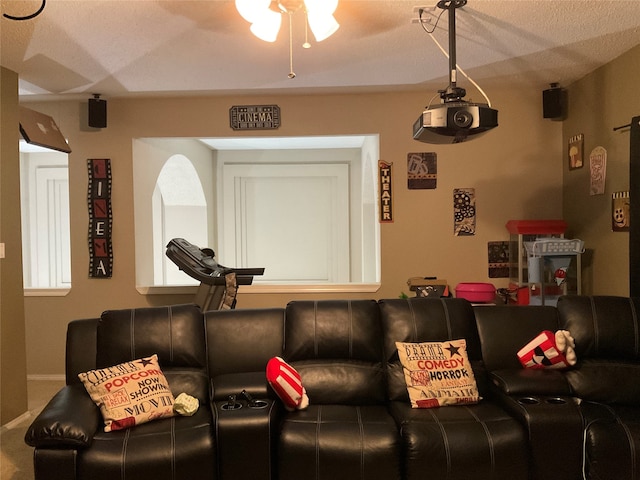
218	284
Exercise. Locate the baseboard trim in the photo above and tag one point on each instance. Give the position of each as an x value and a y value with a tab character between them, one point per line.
15	422
54	377
29	414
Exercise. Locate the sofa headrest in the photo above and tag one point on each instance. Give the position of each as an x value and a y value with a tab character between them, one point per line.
424	319
336	346
243	340
333	329
602	326
175	333
505	329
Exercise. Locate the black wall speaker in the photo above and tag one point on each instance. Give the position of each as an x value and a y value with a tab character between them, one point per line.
554	102
97	113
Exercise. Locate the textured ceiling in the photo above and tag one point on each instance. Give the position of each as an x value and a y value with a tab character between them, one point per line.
160	47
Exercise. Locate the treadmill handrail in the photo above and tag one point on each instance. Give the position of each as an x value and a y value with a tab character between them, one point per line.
202	266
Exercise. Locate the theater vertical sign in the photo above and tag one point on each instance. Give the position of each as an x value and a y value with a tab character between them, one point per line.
385	191
100	218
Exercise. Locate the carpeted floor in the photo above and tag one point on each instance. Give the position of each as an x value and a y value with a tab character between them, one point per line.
16	456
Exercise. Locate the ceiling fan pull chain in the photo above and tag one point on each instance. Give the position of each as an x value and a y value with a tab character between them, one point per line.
291	72
306	43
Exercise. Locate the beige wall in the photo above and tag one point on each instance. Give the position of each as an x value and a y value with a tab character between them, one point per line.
13	365
605	99
516	170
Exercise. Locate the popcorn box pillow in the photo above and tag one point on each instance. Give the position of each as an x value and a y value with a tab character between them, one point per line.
130	393
286	382
543	352
438	373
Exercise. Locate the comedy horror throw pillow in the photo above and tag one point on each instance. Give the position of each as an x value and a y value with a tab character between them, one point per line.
129	394
438	373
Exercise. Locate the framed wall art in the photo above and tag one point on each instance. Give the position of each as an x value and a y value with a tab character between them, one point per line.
576	151
464	211
100	218
422	170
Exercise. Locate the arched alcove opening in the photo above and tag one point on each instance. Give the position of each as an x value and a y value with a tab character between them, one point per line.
179	210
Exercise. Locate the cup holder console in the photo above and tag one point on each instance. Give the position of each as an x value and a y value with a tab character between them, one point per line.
558	455
537	401
258	404
233	404
242	420
251	402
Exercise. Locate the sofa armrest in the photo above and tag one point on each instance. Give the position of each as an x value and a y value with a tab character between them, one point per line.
247	437
69	420
528	381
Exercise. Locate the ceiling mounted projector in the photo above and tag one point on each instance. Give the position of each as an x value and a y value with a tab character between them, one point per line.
454	120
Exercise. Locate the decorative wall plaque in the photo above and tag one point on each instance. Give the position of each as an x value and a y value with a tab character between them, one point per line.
385	191
100	218
598	170
576	151
498	259
254	117
620	211
422	170
464	211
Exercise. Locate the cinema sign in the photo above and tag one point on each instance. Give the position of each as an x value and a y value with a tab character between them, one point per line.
254	117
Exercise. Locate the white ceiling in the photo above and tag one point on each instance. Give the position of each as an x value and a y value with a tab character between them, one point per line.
175	47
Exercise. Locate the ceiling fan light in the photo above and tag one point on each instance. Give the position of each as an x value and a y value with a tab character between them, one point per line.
322	25
252	10
267	27
326	7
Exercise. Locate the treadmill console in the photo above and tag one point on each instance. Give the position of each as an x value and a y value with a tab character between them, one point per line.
200	263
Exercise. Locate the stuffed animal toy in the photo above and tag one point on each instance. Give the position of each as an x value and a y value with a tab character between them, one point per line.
549	350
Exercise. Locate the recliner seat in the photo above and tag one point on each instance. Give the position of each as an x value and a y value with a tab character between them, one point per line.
454	442
347	431
177	447
606	330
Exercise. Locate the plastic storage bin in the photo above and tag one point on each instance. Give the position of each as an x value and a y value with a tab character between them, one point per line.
476	292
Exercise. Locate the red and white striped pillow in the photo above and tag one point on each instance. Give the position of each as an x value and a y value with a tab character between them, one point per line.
544	352
286	382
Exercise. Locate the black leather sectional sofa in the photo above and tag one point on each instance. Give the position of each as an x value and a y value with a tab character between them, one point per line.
583	422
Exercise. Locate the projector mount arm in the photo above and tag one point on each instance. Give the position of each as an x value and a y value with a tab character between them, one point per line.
452	93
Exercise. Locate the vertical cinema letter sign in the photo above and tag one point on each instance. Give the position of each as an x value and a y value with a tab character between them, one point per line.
100	218
385	192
